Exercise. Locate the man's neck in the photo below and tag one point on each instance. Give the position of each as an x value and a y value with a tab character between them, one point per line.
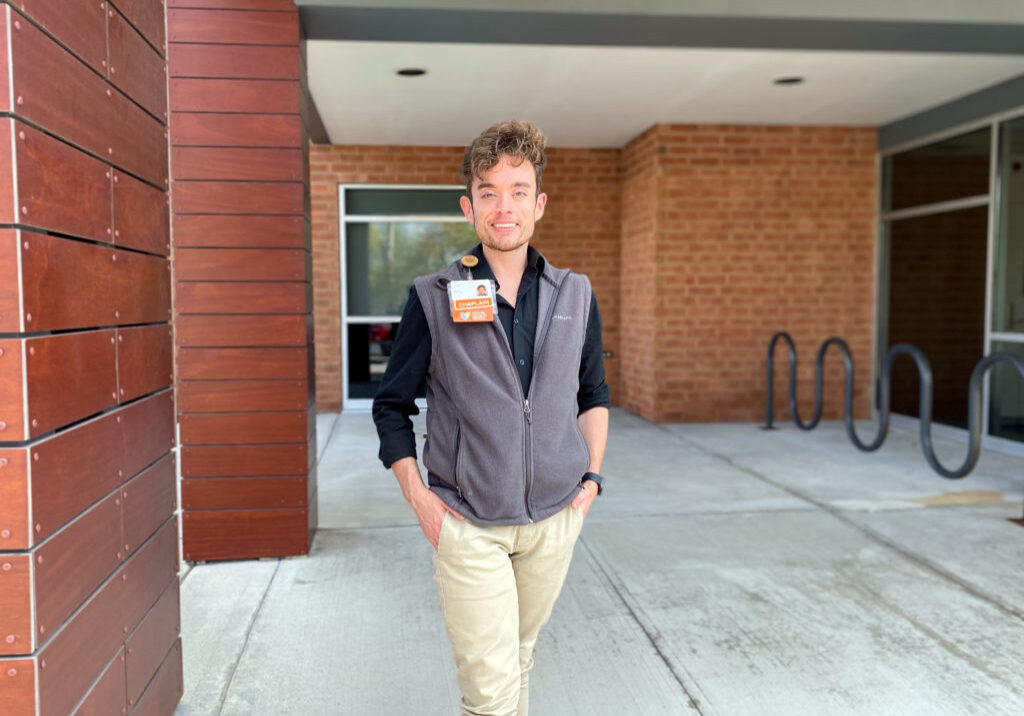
507	267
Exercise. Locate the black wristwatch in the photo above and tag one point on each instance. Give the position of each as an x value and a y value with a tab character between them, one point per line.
596	478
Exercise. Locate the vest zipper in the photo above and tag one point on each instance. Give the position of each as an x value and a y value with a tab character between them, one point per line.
528	454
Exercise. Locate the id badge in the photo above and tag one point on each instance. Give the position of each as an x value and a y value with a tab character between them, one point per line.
472	301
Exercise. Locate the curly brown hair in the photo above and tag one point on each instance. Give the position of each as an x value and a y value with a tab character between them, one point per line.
513	138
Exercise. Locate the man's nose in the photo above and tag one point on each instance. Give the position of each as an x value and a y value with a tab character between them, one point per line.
504	202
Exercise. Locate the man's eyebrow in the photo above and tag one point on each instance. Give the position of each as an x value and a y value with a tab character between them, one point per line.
488	185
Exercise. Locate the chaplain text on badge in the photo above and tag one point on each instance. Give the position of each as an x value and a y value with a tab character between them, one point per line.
471	301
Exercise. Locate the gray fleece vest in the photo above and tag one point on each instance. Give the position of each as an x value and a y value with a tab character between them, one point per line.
494	455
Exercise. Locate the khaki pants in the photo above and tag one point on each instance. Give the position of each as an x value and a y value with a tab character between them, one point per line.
497	586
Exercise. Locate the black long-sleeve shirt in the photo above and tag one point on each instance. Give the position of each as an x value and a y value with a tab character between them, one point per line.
410	358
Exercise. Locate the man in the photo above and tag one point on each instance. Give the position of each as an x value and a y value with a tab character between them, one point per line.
517	422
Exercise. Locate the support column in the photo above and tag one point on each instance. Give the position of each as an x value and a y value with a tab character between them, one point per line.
242	271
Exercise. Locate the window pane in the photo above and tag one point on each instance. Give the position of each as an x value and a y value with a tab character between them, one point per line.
383	258
389	202
951	169
1006	416
1008	303
937	303
369	348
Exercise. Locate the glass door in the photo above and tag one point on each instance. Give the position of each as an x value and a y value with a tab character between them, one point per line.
389	235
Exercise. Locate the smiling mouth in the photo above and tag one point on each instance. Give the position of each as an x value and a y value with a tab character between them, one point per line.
504	226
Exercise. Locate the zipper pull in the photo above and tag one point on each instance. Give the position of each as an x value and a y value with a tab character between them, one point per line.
528	411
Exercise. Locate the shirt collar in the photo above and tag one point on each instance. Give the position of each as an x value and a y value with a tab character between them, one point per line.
534	260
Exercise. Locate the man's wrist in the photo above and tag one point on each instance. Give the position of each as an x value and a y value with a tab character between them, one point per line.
596	479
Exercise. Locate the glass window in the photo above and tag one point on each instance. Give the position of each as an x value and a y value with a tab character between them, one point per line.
382	259
1008	287
954	168
1006	407
391	202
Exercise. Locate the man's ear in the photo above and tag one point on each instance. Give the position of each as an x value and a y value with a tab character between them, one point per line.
467	207
542	201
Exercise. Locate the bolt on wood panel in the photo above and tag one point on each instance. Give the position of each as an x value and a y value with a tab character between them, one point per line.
236	130
236	163
135	67
16	633
14	499
243	461
108	694
227	493
147	16
244	534
13	426
60	188
234	95
147	501
237	197
74	562
239	297
239	265
79	25
241	363
229	27
243	331
151	641
145	360
226	231
18	677
228	395
68	377
166	688
141	217
234	61
242	428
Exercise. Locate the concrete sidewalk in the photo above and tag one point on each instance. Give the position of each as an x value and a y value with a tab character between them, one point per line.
726	570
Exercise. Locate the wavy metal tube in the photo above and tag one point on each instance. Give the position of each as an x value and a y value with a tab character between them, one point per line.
925	410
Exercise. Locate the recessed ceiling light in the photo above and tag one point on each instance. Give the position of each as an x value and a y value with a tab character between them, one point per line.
412	72
791	80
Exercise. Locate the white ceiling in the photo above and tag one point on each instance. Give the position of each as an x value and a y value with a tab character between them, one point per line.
584	96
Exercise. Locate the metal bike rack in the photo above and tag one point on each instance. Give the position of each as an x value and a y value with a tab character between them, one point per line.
924	370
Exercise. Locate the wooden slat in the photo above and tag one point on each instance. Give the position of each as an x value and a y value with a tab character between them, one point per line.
148	18
10	305
5	62
235	130
234	61
20	686
148	573
237	197
108	694
146	648
244	534
143	288
242	331
229	27
79	25
12	391
241	363
228	395
16	603
69	377
234	95
245	163
243	461
72	564
141	215
242	428
240	297
8	211
135	67
138	141
59	187
73	469
227	493
238	231
14	492
145	358
282	5
240	265
166	688
147	501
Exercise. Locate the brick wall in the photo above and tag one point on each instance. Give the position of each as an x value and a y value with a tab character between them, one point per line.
740	232
580	229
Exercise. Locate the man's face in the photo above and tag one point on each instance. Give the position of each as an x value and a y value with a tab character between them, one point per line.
505	205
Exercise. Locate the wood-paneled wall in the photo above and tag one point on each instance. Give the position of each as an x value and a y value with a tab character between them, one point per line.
242	272
89	611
